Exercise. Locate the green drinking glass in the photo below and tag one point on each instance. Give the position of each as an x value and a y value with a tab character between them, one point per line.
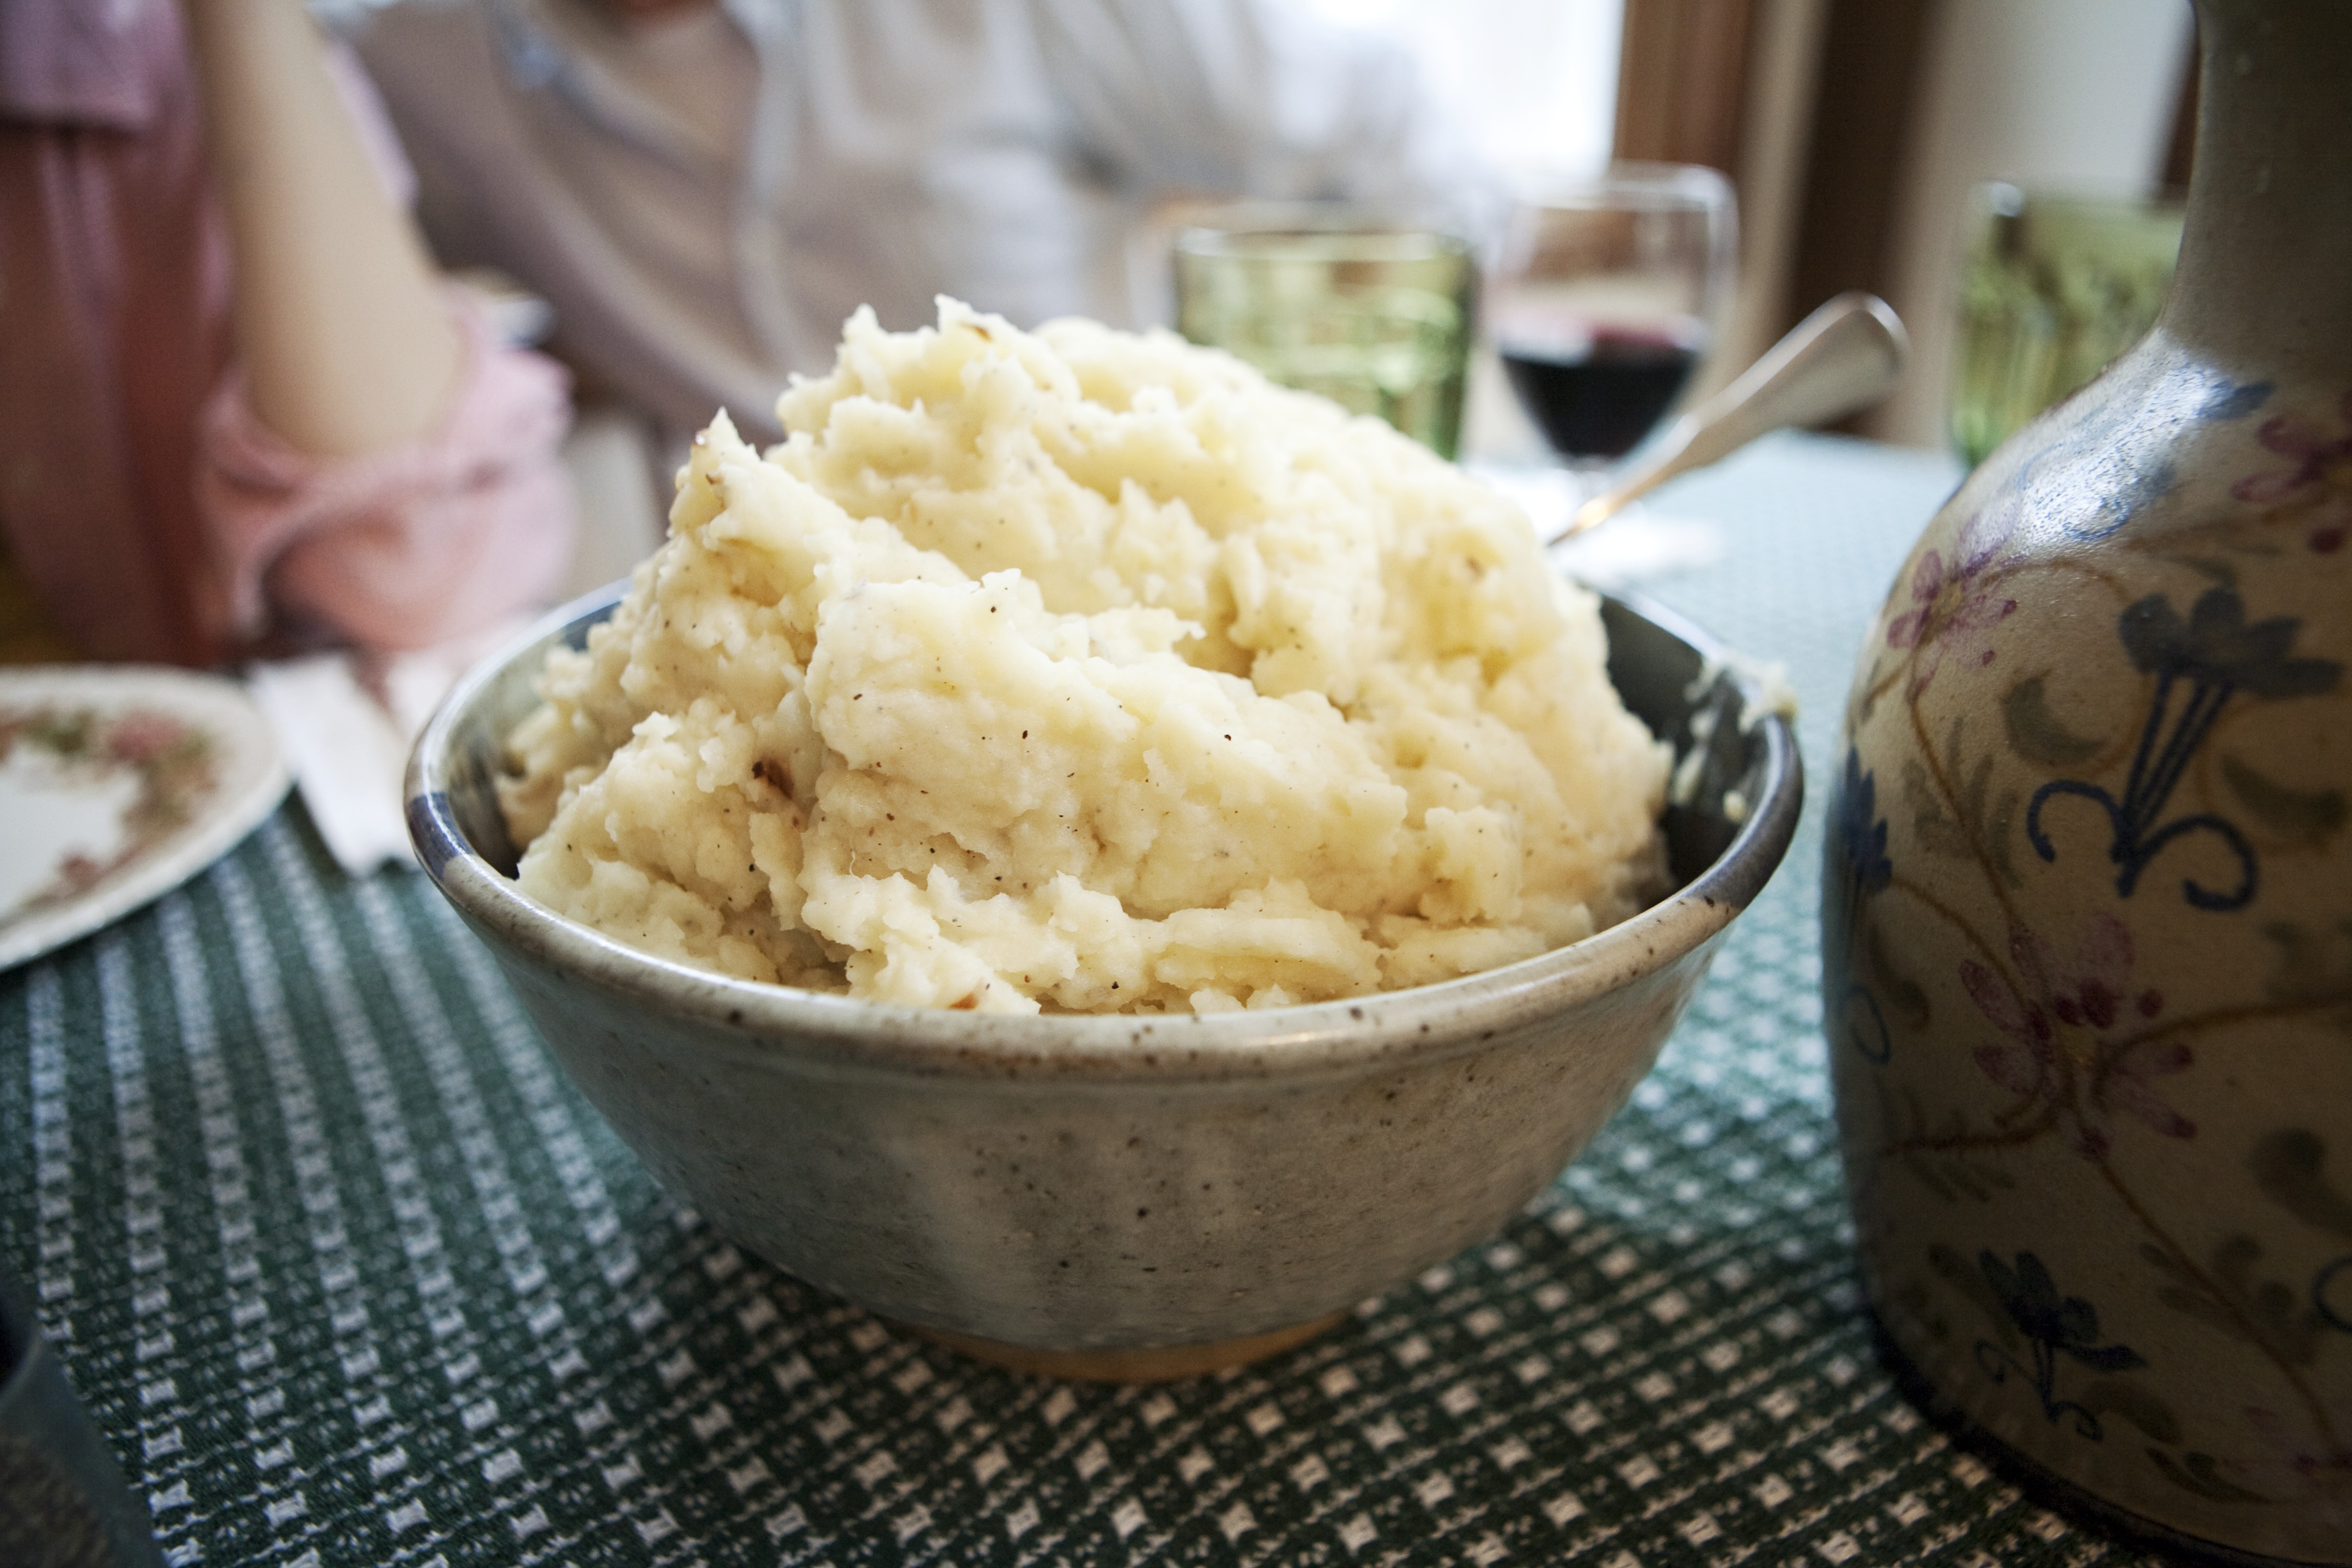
2052	288
1370	311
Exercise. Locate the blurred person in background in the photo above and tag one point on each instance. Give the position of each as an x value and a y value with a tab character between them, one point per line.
240	411
704	190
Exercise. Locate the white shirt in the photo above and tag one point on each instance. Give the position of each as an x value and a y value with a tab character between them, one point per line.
704	208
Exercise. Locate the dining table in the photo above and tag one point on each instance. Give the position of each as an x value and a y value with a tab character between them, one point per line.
347	1271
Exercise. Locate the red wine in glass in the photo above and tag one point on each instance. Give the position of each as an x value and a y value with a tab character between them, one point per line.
1596	389
1600	297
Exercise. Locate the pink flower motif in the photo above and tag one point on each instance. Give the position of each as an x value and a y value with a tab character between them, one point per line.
2321	460
2060	1045
1951	612
2306	1466
143	734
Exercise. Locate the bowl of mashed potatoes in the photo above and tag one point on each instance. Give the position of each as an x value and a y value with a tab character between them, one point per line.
1094	857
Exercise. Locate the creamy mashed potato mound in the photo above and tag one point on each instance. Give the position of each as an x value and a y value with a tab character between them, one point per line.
1078	671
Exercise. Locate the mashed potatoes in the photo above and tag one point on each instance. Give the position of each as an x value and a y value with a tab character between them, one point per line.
1083	672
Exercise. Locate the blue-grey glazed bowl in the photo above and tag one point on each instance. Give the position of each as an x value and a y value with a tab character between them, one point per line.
1121	1196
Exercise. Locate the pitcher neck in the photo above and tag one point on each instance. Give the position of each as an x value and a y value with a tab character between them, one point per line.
2264	281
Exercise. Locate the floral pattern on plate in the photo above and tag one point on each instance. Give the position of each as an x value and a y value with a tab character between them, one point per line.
120	782
76	747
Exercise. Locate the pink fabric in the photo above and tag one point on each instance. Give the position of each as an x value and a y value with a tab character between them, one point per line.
139	494
400	549
66	59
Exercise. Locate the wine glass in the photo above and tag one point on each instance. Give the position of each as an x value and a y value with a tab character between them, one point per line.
1605	297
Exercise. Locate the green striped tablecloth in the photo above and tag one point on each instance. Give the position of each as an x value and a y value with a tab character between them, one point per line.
350	1275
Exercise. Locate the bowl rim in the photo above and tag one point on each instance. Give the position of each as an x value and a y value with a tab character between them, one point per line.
842	1033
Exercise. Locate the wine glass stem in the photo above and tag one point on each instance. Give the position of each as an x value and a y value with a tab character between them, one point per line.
1587	477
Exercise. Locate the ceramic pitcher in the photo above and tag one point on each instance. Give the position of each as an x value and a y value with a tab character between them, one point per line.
2087	895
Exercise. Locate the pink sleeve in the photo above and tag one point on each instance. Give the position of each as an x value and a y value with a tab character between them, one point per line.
405	548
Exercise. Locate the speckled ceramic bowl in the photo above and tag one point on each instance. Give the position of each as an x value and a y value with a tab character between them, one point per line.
1120	1195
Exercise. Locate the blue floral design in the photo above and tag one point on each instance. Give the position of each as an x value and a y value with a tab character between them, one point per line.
2235	399
1857	866
2209	657
2054	1324
2126	480
2331	1294
2117	501
1860	827
2140	488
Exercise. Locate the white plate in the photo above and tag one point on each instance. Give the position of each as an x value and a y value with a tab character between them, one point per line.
117	784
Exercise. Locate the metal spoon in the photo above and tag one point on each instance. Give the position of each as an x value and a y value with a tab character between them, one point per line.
1841	359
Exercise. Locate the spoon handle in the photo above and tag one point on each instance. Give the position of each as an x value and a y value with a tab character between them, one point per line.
1844	357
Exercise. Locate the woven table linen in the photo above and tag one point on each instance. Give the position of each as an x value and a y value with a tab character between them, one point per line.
349	1274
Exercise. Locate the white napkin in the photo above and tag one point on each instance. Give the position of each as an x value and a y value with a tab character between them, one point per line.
346	724
346	753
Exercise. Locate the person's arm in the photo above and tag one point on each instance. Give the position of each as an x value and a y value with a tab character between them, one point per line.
346	344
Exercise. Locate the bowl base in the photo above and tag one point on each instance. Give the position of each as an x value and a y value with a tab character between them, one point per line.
1142	1363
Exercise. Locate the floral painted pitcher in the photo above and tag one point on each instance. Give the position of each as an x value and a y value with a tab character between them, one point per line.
2087	895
